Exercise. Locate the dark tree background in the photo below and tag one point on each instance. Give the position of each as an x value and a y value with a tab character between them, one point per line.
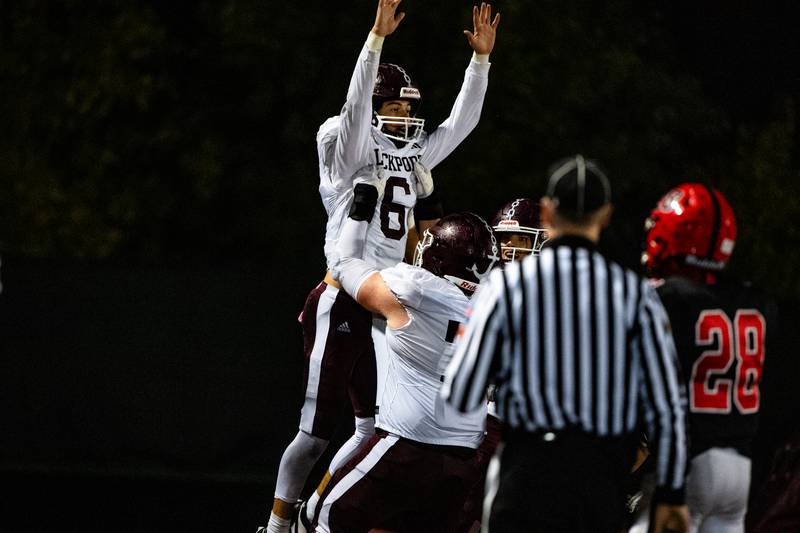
164	132
160	224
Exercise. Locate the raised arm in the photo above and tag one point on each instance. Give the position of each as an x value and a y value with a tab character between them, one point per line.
349	149
358	278
467	108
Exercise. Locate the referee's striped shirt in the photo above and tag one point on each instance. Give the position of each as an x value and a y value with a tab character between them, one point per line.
571	339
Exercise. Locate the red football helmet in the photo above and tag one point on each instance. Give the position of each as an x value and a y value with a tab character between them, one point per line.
461	248
691	232
394	83
518	221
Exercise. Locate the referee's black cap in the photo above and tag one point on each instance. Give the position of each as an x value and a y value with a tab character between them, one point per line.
578	186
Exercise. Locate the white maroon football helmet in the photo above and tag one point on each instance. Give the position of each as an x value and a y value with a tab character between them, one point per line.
461	248
394	83
519	217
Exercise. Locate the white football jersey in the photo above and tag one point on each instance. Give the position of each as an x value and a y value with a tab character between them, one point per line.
419	352
348	145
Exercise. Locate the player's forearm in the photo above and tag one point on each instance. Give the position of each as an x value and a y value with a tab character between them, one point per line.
464	115
350	269
356	117
351	273
352	239
359	93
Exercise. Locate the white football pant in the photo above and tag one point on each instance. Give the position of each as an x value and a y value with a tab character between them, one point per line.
717	490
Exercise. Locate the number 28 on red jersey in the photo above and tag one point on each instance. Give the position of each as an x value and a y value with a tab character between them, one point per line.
739	341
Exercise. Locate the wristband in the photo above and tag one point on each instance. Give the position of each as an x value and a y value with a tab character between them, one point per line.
365	198
375	42
480	58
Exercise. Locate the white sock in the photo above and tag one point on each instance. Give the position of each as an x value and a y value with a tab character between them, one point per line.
277	524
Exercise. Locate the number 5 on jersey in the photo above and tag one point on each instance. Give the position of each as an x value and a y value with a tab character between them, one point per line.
741	340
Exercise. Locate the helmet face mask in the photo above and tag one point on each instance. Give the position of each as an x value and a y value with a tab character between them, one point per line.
517	227
394	83
516	245
406	129
691	232
460	248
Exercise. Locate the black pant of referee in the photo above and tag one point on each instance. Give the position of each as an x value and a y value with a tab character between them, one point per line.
562	482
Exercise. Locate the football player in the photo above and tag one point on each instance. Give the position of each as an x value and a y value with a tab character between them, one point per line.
376	132
519	230
413	475
720	331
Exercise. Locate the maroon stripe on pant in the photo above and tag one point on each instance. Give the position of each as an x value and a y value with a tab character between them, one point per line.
347	367
412	487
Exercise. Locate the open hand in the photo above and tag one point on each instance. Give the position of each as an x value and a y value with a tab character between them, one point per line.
481	39
387	19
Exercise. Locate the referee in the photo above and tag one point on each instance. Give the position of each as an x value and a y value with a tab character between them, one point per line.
581	354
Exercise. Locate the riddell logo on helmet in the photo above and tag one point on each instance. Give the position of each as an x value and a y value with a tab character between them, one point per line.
409	92
508	223
704	263
459	282
467	285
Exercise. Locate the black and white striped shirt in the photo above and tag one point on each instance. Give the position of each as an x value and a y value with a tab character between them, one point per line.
573	340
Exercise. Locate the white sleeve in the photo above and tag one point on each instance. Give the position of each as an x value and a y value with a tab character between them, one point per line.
346	148
477	352
463	117
349	268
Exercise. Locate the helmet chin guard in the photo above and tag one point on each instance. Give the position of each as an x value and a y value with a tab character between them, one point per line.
410	128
